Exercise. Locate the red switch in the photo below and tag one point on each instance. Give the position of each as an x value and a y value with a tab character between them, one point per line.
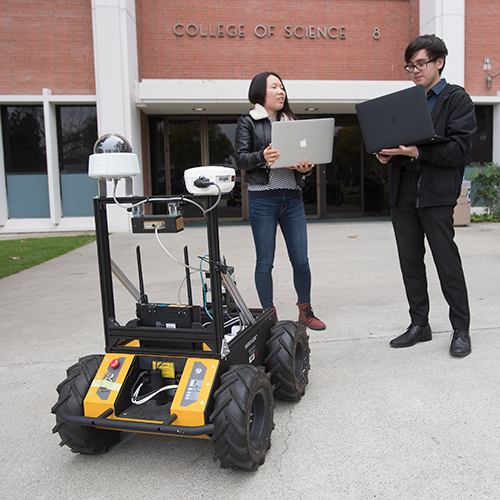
114	364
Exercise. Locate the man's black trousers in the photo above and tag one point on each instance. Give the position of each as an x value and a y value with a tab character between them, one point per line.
436	223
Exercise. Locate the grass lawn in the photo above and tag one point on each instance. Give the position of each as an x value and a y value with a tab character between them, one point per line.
16	255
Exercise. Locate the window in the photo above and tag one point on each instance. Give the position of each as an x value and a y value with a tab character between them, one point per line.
25	161
482	149
76	135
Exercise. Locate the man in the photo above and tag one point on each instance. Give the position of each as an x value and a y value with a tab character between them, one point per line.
425	184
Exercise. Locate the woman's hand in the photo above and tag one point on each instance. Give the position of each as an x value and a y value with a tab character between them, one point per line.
270	155
303	168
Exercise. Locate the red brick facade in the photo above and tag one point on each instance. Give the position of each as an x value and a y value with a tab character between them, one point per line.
353	39
482	39
46	44
49	44
414	18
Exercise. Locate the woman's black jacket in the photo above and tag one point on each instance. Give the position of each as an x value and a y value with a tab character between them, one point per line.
251	138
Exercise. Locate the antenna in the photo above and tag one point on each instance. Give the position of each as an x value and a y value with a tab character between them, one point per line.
188	277
143	298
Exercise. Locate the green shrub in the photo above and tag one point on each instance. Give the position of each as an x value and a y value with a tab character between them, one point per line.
486	182
484	218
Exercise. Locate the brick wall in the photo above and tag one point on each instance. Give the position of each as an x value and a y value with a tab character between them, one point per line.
414	19
482	39
46	44
357	56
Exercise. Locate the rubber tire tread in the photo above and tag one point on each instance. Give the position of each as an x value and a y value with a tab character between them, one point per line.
233	404
280	361
72	391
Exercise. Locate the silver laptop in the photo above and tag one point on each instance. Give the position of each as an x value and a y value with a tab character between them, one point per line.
310	140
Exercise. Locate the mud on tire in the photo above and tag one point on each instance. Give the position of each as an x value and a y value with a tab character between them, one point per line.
243	417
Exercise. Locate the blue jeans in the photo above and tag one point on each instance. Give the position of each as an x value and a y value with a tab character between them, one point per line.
265	214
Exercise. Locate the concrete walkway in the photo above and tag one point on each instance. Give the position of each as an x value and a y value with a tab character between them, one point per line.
375	422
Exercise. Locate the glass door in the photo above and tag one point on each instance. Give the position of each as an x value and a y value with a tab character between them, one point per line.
354	184
221	152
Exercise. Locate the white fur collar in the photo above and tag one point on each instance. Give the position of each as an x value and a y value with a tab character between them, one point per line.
259	112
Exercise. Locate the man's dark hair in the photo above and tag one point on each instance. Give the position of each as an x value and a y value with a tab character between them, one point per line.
257	93
434	46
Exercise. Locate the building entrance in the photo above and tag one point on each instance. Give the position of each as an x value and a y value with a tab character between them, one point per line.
353	185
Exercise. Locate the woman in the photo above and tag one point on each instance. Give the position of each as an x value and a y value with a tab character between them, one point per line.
275	196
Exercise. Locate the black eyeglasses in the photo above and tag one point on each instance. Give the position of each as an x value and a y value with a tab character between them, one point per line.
420	65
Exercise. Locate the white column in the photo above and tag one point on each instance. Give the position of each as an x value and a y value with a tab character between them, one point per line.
53	177
446	19
4	210
496	134
116	75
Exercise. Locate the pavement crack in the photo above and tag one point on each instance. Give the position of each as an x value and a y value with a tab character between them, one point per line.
287	434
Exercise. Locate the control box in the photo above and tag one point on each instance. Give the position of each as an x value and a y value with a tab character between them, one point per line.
165	223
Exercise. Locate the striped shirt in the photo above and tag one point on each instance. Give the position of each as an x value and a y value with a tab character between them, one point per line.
279	178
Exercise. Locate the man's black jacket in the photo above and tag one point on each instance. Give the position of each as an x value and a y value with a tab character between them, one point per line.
442	164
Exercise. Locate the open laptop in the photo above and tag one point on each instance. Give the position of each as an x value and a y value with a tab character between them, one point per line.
400	118
310	140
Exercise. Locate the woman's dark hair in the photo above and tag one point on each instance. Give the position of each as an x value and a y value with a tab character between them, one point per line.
257	93
434	46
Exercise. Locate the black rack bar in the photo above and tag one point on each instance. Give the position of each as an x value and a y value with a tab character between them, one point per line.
126	425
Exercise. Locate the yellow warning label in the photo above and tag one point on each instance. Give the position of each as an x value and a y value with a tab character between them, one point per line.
106	384
167	369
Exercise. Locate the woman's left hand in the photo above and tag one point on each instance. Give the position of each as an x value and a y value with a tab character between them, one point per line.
303	168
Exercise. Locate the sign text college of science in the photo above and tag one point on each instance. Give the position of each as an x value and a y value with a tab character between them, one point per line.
260	31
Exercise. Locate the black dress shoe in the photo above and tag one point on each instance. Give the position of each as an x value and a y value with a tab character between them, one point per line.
413	334
460	343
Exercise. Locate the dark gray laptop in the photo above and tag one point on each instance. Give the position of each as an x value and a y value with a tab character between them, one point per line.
296	140
400	118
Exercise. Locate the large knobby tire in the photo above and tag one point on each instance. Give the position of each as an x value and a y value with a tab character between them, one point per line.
72	392
243	418
288	360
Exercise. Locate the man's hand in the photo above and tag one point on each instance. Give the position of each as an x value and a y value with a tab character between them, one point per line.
383	158
385	155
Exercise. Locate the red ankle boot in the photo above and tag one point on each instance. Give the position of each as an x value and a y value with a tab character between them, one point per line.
274	311
307	317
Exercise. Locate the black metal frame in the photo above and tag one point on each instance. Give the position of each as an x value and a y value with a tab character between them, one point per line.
116	335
